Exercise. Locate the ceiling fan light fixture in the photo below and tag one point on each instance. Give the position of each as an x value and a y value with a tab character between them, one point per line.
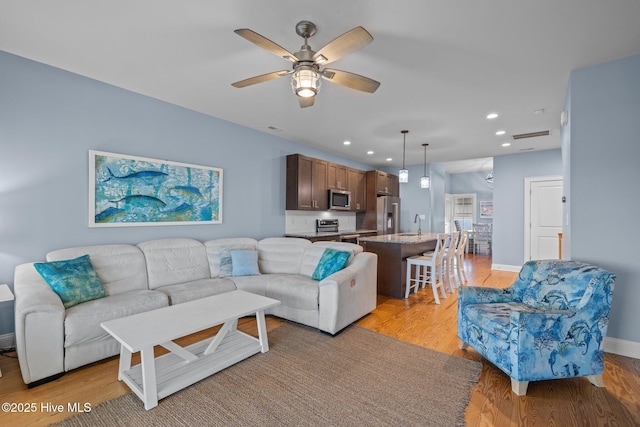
306	81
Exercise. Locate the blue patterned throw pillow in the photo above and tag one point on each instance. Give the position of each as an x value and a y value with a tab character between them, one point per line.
74	280
330	262
244	262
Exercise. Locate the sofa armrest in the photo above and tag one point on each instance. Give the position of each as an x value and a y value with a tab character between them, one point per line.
348	294
39	323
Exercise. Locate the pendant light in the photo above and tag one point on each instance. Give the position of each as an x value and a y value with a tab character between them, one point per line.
403	175
425	181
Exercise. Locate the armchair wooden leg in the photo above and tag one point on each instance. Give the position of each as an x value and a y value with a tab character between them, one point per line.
596	380
519	387
463	345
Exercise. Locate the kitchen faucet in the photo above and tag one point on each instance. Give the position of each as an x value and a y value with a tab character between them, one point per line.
419	221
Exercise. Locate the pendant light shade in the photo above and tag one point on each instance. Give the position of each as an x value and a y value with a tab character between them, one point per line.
403	175
425	181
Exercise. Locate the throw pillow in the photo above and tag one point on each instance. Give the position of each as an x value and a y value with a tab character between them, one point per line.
330	262
74	280
244	262
226	264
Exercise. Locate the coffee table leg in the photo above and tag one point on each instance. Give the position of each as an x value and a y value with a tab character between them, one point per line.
149	388
125	361
262	331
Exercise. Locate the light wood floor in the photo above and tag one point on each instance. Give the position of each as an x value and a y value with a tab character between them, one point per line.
570	402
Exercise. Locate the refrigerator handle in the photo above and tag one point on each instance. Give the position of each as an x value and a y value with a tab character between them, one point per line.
396	218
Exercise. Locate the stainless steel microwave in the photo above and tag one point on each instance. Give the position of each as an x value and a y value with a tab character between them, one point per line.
339	200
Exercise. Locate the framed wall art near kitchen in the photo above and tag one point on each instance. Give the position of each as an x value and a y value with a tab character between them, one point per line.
486	209
133	191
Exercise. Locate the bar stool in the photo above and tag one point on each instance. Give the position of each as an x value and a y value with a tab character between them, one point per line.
427	270
459	261
448	258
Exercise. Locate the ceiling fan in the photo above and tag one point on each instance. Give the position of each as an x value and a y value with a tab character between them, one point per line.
307	62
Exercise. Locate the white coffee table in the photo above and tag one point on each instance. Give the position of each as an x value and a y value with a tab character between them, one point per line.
156	378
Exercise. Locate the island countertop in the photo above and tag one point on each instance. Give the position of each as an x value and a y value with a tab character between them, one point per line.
392	251
402	238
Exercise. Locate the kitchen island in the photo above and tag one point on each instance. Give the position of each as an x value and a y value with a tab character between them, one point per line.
392	251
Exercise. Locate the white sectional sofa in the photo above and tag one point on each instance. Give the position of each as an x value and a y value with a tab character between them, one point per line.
51	340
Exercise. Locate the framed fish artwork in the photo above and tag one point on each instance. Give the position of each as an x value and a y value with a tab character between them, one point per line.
134	191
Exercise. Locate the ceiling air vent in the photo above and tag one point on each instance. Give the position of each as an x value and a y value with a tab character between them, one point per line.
531	134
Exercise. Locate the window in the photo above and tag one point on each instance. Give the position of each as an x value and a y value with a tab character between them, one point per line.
463	209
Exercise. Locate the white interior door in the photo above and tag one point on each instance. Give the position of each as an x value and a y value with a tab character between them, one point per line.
545	218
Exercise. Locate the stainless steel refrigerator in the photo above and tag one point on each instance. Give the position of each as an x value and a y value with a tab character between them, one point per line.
388	215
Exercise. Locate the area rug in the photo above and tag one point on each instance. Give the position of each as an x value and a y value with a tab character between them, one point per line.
309	378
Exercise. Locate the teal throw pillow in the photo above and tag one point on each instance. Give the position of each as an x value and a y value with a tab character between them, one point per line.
244	262
74	280
330	262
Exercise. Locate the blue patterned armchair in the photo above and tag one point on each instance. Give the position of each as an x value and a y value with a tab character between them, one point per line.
550	323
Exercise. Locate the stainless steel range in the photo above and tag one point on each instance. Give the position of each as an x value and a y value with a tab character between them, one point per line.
332	226
327	225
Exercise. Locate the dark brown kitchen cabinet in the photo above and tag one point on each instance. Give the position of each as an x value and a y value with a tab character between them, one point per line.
337	177
382	184
306	183
358	188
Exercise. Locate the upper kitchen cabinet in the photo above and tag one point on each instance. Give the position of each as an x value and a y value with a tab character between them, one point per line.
306	183
358	188
337	178
382	184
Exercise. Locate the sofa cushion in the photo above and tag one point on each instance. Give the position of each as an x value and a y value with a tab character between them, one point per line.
495	318
294	291
175	261
121	268
183	292
74	280
82	322
281	255
330	262
314	252
219	256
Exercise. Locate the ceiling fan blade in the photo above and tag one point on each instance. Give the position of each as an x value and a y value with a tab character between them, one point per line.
306	102
350	80
265	43
340	46
261	78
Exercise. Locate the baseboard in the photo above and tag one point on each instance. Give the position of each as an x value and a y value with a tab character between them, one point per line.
504	267
7	341
622	347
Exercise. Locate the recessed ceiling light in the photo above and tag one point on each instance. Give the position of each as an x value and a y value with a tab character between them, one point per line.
389	159
492	115
500	132
347	143
369	152
506	144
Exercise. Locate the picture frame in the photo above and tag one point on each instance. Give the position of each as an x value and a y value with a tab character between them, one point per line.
129	190
486	209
